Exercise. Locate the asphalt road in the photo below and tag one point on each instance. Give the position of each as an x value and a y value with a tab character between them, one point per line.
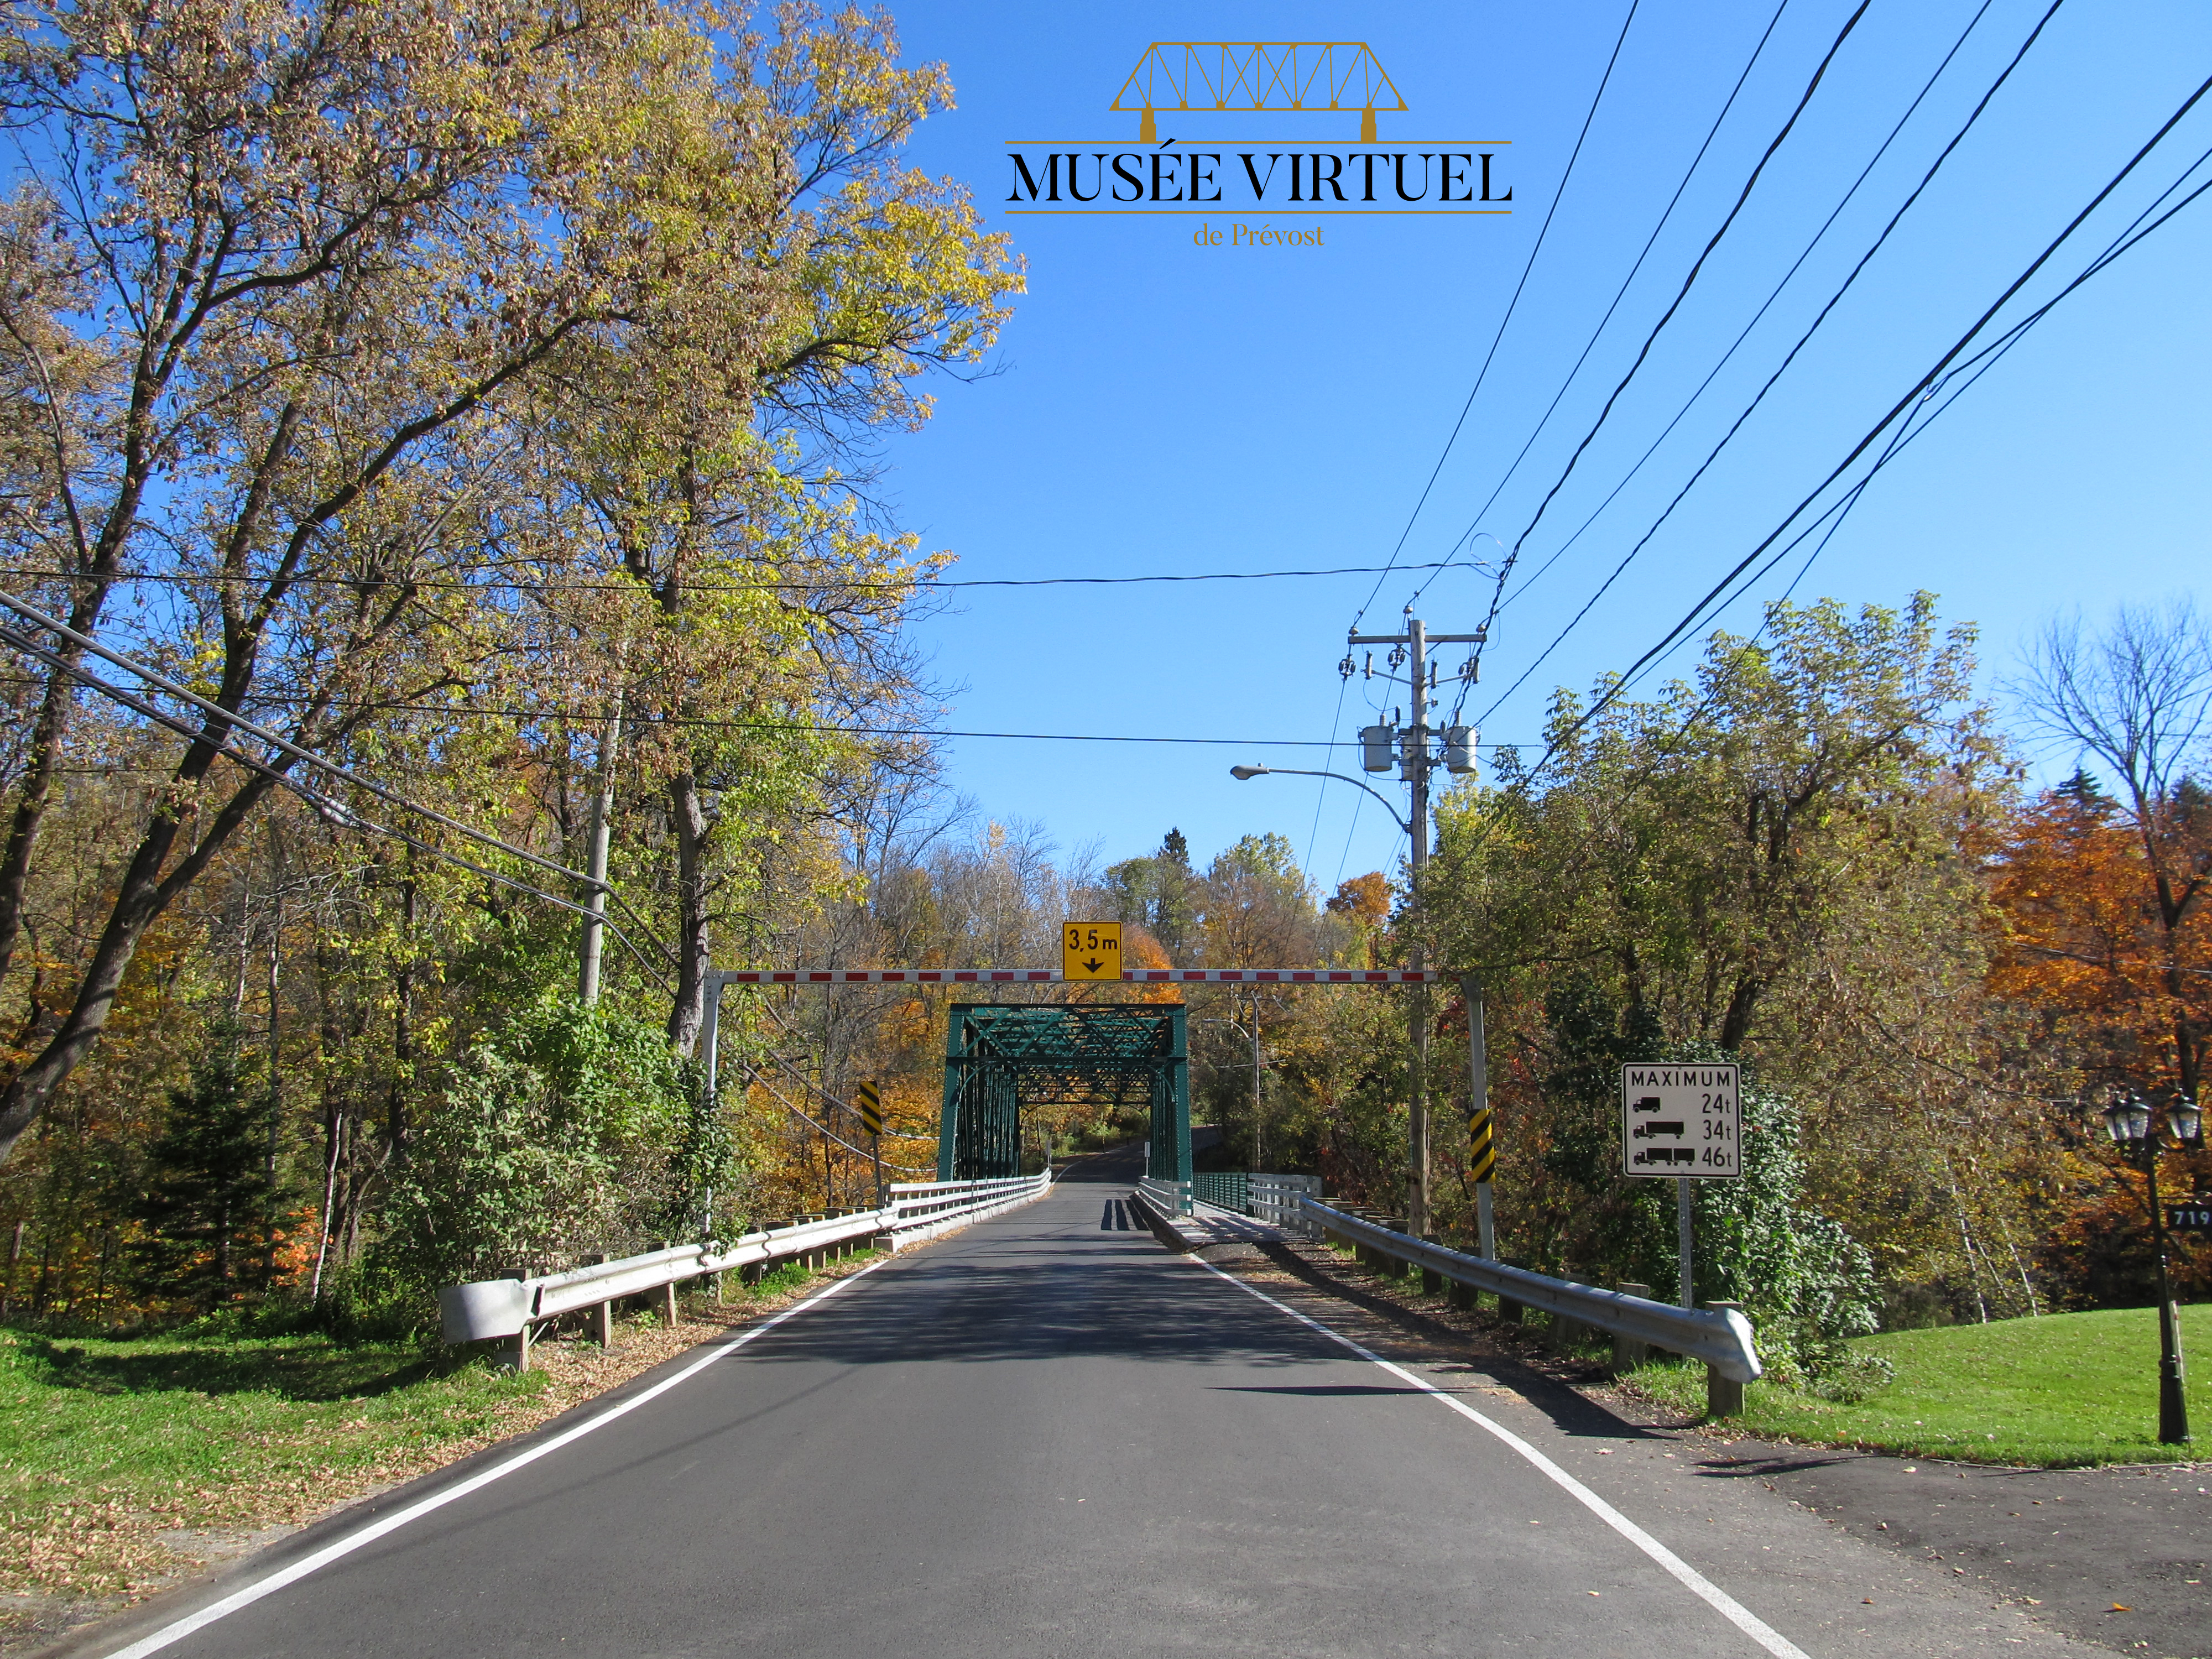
1046	1436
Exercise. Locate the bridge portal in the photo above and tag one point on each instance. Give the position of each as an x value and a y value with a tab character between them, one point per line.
1001	1058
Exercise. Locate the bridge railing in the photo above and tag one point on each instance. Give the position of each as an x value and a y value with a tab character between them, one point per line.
1722	1337
1279	1200
920	1210
1169	1197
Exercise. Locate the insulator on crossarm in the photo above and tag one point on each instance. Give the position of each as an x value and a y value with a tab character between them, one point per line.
1375	743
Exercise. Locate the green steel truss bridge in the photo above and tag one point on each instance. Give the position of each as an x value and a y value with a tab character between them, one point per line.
1001	1058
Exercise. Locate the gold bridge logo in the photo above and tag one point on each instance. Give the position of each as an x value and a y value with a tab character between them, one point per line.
1256	75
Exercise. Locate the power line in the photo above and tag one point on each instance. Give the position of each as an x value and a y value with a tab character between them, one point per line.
331	811
917	584
1903	404
584	717
1621	293
1544	230
1767	305
1825	311
1688	282
1981	362
220	717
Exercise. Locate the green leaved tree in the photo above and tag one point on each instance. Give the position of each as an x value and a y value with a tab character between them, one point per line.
206	1206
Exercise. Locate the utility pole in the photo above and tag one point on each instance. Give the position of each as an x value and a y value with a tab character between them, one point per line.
1410	650
595	867
1256	1077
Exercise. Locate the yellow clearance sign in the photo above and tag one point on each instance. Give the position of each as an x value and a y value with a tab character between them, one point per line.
1091	950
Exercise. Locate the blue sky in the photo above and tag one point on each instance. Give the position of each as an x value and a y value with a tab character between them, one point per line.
1162	407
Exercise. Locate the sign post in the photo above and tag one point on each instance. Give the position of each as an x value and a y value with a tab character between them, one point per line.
1090	951
1685	1122
869	1099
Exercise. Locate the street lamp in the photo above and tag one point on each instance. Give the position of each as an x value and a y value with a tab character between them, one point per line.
2130	1122
1244	774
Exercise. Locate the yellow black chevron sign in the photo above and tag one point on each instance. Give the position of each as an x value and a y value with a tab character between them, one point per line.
1481	1146
870	1100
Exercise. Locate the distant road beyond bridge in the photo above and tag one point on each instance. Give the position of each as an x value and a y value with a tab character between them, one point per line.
1048	1435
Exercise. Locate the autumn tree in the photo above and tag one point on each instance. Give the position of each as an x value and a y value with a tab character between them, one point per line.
1778	859
2110	897
309	303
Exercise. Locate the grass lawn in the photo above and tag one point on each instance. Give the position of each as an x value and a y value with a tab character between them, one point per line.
2063	1390
105	1444
122	1461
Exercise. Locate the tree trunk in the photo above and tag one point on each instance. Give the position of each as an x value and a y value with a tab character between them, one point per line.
403	1026
694	948
143	894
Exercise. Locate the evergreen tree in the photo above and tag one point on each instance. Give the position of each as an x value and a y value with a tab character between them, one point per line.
205	1207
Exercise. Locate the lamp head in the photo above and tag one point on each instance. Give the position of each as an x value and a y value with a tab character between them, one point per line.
1241	772
2188	1120
2127	1120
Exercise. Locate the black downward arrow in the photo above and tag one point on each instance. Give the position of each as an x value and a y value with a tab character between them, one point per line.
1092	966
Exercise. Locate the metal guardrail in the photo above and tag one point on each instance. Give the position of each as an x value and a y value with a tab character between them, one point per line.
1722	1337
918	1210
1169	1197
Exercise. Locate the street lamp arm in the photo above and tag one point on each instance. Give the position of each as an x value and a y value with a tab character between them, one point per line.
1242	772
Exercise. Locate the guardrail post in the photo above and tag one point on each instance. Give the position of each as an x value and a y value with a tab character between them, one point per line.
514	1353
1627	1352
1391	1266
1723	1396
664	1297
603	1316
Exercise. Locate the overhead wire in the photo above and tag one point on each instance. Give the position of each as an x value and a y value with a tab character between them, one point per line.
1511	305
331	811
1790	357
1666	216
822	1129
1901	407
1928	410
586	717
1689	280
1727	356
918	583
219	717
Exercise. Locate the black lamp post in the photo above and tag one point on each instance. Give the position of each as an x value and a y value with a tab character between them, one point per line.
2130	1122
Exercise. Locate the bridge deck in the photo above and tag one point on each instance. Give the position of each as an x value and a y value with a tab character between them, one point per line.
1046	1435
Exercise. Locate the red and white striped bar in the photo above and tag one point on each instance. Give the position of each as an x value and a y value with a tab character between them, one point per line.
1281	975
1051	975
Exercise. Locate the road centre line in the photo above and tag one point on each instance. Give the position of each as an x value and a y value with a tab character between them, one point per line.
170	1634
1722	1602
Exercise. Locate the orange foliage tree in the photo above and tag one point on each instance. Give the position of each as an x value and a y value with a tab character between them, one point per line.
2109	950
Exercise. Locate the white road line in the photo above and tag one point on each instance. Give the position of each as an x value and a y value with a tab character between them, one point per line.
1722	1602
170	1634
